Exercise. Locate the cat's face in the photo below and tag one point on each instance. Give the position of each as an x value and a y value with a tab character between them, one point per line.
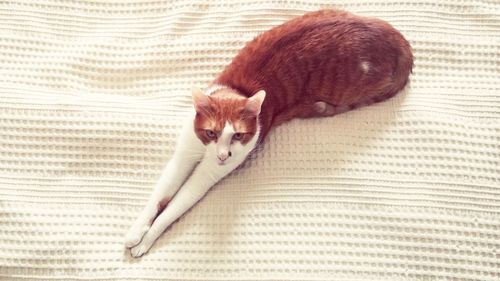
226	122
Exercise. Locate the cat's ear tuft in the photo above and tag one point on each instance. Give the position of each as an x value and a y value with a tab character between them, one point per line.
200	100
254	103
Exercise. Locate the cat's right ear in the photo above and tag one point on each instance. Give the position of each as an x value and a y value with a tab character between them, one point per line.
200	100
254	103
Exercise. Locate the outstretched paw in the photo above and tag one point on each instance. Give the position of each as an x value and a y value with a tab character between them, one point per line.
141	248
134	235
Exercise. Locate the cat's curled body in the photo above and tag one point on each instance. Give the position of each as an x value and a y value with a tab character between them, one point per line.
321	64
327	56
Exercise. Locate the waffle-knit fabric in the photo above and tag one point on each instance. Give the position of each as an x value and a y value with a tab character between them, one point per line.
92	94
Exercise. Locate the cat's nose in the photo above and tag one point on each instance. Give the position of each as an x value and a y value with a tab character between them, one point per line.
223	156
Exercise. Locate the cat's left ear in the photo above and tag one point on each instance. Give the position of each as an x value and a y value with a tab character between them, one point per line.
200	100
254	103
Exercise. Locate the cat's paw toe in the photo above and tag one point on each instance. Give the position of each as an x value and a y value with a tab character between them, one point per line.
134	236
319	107
139	250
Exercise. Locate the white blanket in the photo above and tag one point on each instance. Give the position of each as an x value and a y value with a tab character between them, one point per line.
91	97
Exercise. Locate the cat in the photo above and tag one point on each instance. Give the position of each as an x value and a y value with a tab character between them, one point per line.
320	64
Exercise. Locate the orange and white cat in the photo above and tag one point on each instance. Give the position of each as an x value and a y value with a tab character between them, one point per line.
320	64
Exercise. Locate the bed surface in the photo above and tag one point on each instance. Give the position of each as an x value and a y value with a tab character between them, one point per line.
92	94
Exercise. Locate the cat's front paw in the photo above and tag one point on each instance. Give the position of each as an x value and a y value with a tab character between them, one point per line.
134	235
141	248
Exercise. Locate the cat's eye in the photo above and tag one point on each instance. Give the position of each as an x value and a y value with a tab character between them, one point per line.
238	136
211	134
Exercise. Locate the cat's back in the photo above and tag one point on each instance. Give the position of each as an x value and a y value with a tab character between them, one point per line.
306	46
323	31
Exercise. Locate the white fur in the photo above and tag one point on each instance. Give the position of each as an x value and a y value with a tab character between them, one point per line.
224	142
365	66
190	156
214	88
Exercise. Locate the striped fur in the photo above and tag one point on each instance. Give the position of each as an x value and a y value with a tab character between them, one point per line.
321	64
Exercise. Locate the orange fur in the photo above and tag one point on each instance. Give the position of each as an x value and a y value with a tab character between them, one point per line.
221	107
320	64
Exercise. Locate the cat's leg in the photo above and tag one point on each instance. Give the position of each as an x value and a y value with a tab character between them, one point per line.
205	175
324	109
308	109
188	152
321	108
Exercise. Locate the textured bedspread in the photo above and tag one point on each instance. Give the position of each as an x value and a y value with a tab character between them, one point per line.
91	98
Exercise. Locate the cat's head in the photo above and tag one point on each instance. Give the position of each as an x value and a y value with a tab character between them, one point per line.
226	122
